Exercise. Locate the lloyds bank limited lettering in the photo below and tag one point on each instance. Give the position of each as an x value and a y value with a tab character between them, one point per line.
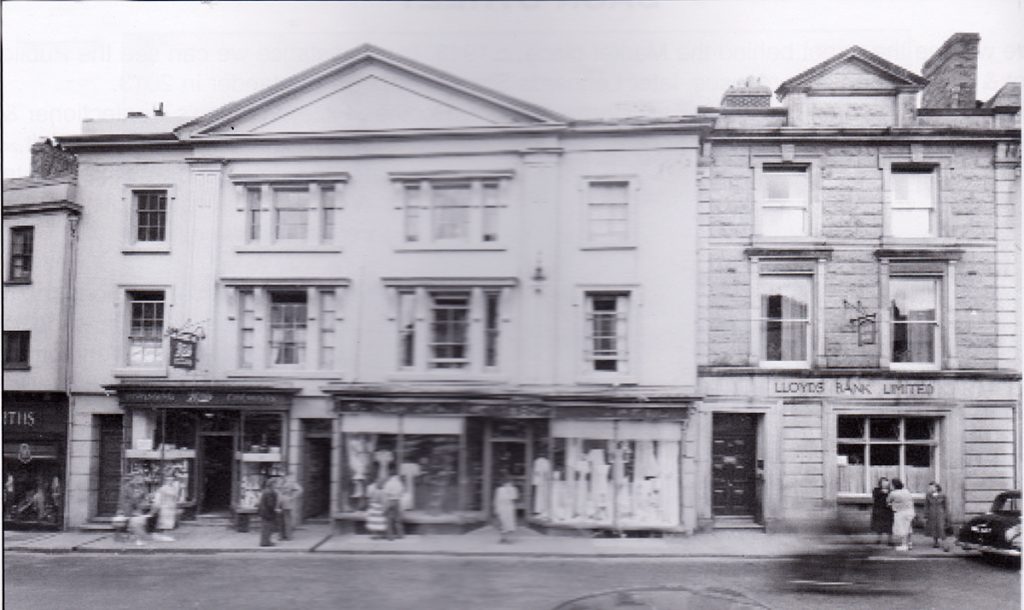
850	387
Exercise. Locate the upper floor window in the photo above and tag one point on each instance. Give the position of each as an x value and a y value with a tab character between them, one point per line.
145	328
16	349
605	340
912	206
608	211
19	266
783	201
291	213
452	211
149	215
915	321
785	320
287	327
458	329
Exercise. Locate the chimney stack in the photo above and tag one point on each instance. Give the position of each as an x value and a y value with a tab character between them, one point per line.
952	72
48	161
747	94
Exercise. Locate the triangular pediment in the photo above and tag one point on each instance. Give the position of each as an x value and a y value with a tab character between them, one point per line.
368	90
853	69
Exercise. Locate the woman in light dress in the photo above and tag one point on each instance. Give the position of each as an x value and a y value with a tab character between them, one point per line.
902	505
505	498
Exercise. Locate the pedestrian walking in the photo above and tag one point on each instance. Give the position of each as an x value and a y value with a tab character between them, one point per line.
268	511
881	513
288	496
376	522
902	505
936	510
165	509
394	489
505	498
134	506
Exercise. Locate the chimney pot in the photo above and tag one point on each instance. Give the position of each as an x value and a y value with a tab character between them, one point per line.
136	115
749	93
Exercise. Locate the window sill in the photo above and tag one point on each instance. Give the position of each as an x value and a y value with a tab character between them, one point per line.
161	248
17	367
139	371
866	499
283	373
452	248
609	247
914	366
791	365
428	376
18	282
607	379
285	249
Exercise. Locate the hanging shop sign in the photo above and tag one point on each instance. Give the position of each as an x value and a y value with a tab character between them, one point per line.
184	341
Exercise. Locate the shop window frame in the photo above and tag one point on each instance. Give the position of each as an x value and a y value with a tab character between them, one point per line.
935	442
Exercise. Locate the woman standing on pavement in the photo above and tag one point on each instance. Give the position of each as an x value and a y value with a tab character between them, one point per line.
881	514
268	511
902	505
936	512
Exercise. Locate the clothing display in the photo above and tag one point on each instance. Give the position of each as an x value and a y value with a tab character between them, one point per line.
541	495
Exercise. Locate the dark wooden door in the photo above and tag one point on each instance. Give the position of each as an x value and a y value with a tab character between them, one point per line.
316	482
111	435
733	461
218	462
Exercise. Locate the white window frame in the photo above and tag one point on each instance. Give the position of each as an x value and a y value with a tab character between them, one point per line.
812	264
937	324
302	362
589	240
321	324
30	230
764	203
131	243
418	315
417	231
125	367
265	238
935	442
892	205
625	334
809	332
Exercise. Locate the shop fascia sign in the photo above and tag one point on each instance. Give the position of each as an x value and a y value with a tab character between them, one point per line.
845	386
184	341
202	398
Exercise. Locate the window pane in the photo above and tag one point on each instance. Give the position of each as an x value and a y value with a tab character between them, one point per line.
146	327
885	462
608	210
851	475
490	212
253	202
849	427
918	470
292	213
911	223
288	328
789	185
491	328
914	316
327	201
20	267
785	307
413	212
150	215
451	210
885	428
606	325
918	428
784	341
406	328
429	470
912	189
783	222
449	326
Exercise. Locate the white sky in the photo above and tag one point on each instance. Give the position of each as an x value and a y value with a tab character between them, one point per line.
63	62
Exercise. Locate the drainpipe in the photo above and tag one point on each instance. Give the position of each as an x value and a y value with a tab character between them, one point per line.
71	256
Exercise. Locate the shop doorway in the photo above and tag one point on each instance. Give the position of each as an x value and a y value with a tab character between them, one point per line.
509	461
217	459
111	433
734	465
317	478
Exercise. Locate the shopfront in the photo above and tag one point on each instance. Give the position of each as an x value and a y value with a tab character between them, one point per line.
576	467
217	446
35	427
822	443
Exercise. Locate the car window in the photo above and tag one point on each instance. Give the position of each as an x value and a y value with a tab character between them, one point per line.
1007	505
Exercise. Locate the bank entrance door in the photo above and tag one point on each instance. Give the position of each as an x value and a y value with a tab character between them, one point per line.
733	465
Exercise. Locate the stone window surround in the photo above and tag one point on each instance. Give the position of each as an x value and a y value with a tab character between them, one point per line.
261	287
634	311
632	189
123	368
130	243
787	155
799	262
266	183
503	179
941	164
477	332
938	264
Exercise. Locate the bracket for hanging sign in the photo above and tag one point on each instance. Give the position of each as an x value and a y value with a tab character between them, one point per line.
864	323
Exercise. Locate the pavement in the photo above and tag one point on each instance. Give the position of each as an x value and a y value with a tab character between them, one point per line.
319	538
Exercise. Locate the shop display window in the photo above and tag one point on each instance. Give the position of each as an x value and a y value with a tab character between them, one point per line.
261	455
261	433
423	451
162	447
33	485
870	448
609	473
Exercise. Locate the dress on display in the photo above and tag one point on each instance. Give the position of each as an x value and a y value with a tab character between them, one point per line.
561	501
541	495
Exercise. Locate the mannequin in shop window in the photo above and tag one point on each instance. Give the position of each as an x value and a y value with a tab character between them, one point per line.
561	501
541	496
599	496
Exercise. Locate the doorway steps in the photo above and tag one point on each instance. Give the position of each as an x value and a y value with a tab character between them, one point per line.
213	520
737	523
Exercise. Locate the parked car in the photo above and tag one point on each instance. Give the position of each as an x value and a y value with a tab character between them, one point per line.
998	531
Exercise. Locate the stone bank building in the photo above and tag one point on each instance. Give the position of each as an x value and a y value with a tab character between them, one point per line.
859	290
